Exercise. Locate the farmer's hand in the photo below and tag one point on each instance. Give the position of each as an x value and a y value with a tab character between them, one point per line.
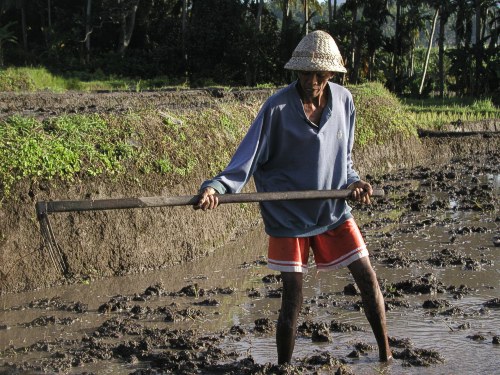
208	199
361	191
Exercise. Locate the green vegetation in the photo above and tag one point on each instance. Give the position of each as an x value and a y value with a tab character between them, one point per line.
248	42
380	115
62	147
435	113
37	79
84	146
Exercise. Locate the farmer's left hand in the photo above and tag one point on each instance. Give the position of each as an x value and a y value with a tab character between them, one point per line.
361	191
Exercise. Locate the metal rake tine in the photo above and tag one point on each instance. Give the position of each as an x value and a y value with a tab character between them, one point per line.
56	248
53	248
48	239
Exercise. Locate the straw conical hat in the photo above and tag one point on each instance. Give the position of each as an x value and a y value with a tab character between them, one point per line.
317	51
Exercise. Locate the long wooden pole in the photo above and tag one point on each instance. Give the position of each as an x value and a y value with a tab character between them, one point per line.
48	207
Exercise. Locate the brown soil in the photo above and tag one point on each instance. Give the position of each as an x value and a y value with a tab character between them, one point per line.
106	243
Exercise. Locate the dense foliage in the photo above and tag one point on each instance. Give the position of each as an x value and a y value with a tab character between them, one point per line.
247	42
77	146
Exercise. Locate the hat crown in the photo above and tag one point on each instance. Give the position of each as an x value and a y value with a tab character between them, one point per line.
317	43
316	51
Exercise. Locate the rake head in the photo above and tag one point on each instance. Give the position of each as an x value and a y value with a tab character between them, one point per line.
54	250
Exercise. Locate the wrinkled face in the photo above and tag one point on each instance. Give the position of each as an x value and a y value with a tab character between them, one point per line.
313	83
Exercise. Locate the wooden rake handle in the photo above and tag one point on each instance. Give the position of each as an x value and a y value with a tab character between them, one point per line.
47	207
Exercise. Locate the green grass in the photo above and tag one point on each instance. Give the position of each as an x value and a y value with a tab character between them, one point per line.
39	78
380	115
436	113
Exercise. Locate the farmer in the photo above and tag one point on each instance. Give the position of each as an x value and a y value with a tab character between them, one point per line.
302	140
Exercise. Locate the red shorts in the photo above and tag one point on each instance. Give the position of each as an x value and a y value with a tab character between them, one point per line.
334	249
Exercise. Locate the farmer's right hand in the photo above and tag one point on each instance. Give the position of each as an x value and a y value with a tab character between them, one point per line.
208	199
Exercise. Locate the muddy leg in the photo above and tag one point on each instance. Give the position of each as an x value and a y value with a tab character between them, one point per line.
291	303
373	303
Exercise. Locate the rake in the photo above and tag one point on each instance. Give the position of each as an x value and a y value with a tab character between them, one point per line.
45	208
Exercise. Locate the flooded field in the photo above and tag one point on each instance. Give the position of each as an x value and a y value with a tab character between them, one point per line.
432	243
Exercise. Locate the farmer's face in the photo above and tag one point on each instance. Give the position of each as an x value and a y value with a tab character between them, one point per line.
313	83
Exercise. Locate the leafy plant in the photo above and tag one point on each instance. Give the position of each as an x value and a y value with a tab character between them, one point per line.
61	147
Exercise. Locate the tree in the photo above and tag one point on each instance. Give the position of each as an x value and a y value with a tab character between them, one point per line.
444	7
461	56
486	59
88	28
307	4
396	66
429	48
184	31
21	6
351	8
375	17
127	23
6	36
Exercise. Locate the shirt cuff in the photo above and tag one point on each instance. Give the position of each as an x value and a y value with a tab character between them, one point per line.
214	184
350	182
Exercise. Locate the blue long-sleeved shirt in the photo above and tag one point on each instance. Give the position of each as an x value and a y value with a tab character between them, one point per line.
284	151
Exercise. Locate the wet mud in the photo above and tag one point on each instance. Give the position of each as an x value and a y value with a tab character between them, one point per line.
432	241
47	104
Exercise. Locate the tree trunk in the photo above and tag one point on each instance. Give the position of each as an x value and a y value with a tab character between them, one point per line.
334	10
286	10
49	14
259	14
493	31
357	40
88	30
478	48
353	73
395	66
306	17
330	15
47	31
442	24
184	34
429	48
127	28
24	28
412	59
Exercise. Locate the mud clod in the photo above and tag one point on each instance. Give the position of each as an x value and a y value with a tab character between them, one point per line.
418	357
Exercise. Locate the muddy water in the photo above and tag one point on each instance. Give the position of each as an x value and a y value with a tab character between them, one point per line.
431	243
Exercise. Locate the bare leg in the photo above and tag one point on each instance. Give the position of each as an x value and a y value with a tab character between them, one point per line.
291	303
373	303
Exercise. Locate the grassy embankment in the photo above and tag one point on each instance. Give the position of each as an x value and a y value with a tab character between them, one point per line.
435	113
73	147
37	79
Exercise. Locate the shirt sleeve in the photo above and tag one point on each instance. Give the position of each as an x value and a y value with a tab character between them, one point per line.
252	151
352	175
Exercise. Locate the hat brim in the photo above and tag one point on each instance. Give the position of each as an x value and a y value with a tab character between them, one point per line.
314	64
